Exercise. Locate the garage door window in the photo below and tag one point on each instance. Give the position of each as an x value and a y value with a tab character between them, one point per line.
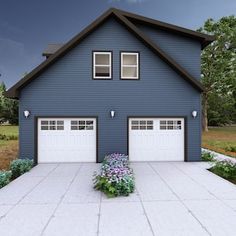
82	125
142	124
170	125
52	125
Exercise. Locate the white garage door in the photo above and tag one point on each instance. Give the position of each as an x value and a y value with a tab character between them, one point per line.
66	140
156	139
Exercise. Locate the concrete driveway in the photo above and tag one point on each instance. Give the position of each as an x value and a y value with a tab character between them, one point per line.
170	199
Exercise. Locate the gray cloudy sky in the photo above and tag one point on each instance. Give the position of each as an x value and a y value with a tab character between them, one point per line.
27	26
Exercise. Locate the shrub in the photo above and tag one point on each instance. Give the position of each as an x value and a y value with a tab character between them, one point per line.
20	166
207	156
5	178
225	168
116	178
230	148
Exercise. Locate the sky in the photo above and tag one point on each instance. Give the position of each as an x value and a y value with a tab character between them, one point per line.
27	26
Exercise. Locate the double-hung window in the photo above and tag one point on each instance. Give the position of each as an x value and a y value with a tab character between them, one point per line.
129	65
102	65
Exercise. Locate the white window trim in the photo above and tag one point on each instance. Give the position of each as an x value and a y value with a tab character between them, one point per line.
94	65
135	66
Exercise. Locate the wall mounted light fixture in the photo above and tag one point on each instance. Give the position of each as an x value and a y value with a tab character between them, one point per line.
26	113
194	114
112	114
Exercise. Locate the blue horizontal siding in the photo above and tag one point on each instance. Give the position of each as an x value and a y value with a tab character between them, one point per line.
184	51
67	88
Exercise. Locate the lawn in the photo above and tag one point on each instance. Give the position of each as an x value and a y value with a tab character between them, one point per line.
221	139
8	148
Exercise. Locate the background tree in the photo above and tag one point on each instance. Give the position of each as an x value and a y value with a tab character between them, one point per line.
8	108
219	73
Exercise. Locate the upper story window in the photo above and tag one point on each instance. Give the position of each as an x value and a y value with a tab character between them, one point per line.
129	65
102	65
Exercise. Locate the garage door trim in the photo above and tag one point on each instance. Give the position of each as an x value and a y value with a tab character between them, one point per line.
173	117
51	116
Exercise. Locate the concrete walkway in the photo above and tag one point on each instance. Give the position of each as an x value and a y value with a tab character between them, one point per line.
172	199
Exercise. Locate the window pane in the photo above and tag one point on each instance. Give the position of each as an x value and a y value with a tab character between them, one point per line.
135	127
82	122
102	59
162	127
150	122
129	59
44	122
60	122
162	122
89	127
142	127
170	122
60	127
134	122
44	127
102	71
89	122
142	122
74	122
74	127
149	127
52	127
52	122
82	127
129	72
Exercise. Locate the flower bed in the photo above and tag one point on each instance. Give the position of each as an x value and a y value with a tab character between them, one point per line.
225	169
116	177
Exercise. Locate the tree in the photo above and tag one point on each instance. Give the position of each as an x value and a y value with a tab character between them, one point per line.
219	72
8	107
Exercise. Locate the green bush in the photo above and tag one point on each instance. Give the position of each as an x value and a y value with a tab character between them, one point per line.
5	178
225	169
20	166
207	156
230	148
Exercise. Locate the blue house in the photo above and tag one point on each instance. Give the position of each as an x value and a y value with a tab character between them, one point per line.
126	84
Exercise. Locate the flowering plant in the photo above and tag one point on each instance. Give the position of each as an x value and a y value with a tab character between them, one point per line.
116	177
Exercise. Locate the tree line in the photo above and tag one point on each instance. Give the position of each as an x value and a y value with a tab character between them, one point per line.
8	108
218	75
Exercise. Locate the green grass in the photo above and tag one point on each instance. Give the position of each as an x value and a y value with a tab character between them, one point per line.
221	139
9	130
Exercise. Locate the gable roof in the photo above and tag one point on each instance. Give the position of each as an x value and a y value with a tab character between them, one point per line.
124	19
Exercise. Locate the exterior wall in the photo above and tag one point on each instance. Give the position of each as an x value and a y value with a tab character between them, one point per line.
184	51
67	89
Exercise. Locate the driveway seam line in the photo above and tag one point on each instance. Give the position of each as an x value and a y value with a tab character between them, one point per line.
99	215
59	203
18	202
145	213
217	198
181	201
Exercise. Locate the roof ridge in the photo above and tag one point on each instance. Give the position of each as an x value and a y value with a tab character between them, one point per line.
165	25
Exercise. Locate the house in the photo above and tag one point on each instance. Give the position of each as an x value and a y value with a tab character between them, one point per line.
126	84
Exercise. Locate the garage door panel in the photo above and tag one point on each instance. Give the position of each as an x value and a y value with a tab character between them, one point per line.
163	141
63	143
